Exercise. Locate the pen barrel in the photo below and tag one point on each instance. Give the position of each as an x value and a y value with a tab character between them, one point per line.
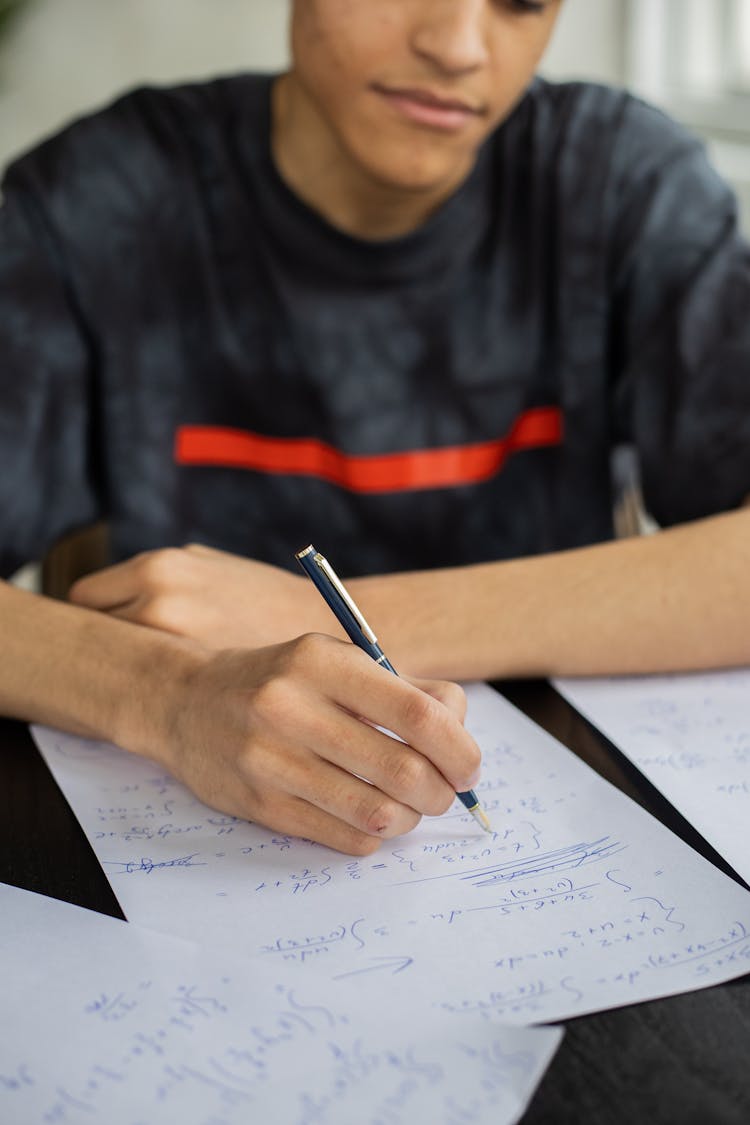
335	603
359	632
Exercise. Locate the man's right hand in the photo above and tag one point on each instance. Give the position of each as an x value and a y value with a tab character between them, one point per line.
287	737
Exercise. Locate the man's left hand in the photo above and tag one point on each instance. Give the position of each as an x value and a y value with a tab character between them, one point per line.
219	599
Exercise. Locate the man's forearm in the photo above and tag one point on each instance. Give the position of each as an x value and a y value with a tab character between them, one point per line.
270	734
85	672
676	600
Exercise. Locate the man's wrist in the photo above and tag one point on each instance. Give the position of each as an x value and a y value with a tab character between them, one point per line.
92	674
158	677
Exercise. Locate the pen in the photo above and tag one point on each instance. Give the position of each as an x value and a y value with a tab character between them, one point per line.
349	617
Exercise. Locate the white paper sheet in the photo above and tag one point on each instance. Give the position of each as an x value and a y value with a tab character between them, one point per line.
580	901
690	736
101	1021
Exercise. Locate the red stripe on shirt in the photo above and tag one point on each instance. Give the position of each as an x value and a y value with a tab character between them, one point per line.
381	472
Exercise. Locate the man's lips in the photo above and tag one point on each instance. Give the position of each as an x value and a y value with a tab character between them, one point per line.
426	107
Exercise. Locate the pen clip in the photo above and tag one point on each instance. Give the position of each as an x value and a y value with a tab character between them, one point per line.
323	564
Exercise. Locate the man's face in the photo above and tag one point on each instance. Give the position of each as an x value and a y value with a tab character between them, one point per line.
411	88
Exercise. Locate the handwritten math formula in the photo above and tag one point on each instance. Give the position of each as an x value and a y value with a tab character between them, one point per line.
569	856
690	736
136	1027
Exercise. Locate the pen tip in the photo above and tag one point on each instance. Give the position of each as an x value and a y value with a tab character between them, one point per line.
481	817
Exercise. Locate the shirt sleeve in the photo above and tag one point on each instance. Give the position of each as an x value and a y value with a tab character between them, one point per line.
47	448
681	325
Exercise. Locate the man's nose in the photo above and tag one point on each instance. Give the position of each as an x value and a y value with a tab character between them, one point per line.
451	34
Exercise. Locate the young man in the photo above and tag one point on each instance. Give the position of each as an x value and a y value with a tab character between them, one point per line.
402	302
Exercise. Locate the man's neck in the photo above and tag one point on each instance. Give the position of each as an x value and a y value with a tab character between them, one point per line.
314	165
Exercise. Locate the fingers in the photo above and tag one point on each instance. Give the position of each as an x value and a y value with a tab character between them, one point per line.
106	588
170	613
157	588
396	772
149	573
439	758
294	816
345	797
273	734
426	724
449	694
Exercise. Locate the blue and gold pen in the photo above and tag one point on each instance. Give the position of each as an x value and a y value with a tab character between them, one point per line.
351	620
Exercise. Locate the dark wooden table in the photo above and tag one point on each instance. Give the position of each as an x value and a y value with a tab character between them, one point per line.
679	1061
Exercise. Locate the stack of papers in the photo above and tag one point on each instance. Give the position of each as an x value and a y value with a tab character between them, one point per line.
579	901
292	983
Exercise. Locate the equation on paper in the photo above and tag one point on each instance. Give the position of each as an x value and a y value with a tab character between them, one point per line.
690	736
578	901
130	1026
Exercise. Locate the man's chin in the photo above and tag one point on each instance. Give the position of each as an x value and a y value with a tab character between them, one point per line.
429	178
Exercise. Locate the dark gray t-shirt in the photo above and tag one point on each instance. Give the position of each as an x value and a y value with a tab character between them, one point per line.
189	352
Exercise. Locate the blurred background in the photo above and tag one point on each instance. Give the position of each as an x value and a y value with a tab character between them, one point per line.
60	58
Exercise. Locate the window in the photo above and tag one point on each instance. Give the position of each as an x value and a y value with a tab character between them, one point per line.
692	57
